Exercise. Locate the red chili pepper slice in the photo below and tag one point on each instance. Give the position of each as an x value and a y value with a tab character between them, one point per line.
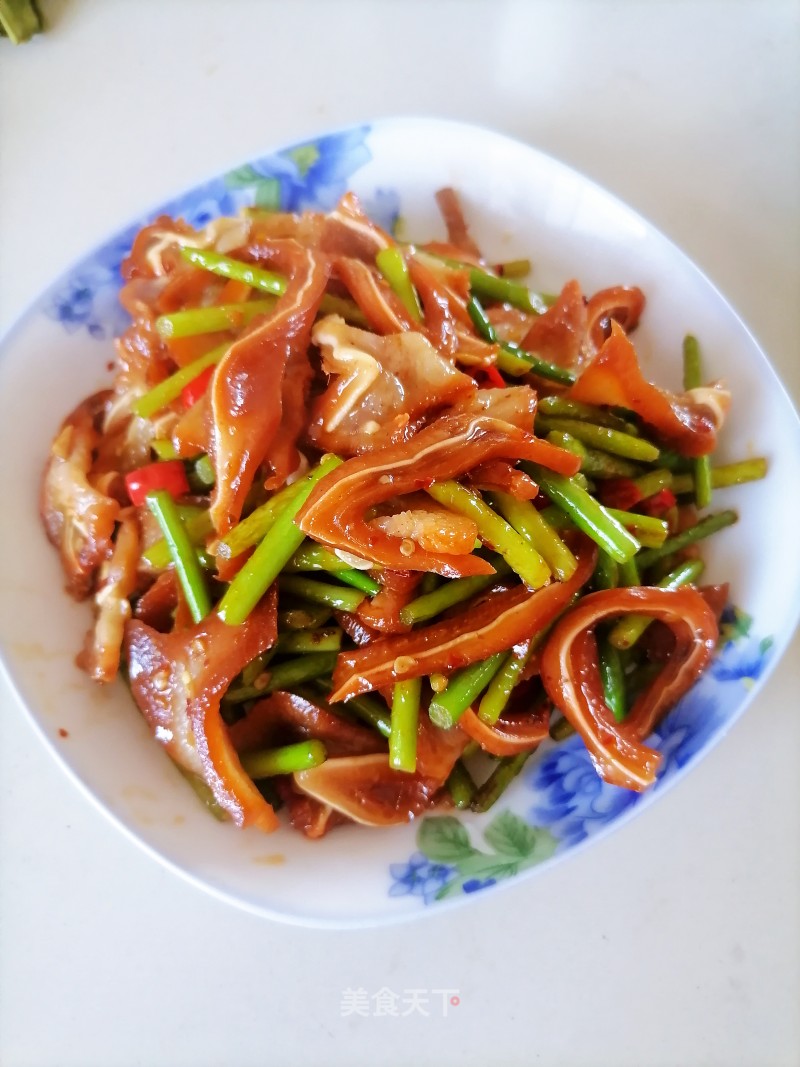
659	504
622	493
192	392
494	378
168	475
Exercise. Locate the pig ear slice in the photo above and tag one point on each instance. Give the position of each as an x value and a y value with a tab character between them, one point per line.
282	718
621	303
458	234
116	584
483	628
334	514
178	680
571	676
377	383
559	334
78	518
689	423
368	790
249	389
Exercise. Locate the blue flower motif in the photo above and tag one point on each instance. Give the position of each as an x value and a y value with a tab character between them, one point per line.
419	877
316	175
308	176
472	885
688	728
574	802
741	660
199	206
383	207
76	304
72	305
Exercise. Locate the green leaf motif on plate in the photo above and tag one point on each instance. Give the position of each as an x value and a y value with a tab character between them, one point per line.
514	844
266	191
443	839
511	836
304	157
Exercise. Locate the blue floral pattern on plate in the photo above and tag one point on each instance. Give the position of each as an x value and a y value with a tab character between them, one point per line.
313	175
419	877
570	802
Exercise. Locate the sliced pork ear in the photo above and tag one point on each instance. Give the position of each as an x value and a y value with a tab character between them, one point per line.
156	248
514	732
308	816
485	626
497	476
283	456
116	584
178	680
510	323
444	310
349	231
346	231
376	381
515	405
559	334
689	422
283	718
382	612
438	750
78	518
367	790
571	675
336	512
624	304
155	607
382	309
458	233
247	391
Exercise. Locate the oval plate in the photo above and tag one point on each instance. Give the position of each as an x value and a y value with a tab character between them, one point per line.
519	203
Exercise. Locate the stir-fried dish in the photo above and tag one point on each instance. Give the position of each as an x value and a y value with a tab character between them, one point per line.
365	522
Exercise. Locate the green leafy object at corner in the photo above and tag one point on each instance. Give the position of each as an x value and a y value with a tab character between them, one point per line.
19	20
514	843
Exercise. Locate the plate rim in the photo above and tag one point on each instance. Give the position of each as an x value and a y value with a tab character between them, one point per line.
15	677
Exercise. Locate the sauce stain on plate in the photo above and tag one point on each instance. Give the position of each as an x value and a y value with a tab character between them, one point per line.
31	651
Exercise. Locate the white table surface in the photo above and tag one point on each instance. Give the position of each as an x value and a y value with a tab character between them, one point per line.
677	940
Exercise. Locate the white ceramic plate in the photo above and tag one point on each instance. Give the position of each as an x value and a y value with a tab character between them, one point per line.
520	203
